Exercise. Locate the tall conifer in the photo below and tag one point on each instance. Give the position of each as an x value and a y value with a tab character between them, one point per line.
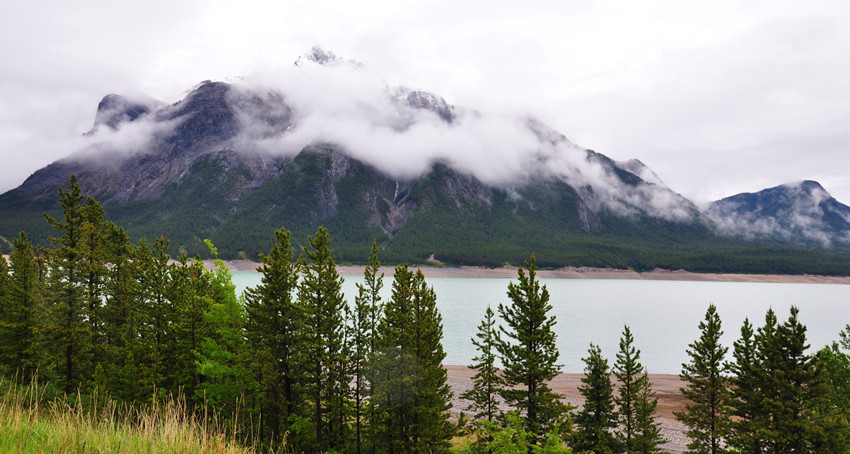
364	325
596	421
529	353
320	293
647	437
628	371
706	414
487	382
411	389
23	323
274	330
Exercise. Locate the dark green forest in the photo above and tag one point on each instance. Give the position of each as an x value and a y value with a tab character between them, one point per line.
293	367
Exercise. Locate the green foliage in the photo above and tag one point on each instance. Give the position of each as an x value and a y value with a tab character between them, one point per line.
511	437
326	375
628	371
411	394
597	419
487	382
23	340
529	353
364	321
647	429
706	414
274	332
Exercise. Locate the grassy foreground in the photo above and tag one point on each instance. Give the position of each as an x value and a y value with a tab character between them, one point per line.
31	424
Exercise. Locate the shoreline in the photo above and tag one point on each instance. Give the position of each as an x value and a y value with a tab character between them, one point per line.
510	272
665	386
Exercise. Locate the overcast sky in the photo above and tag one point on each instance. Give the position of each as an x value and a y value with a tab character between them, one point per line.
717	97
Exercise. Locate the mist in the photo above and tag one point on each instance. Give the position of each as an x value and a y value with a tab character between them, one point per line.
346	103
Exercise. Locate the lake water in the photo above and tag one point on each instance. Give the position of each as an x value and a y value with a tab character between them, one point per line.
663	315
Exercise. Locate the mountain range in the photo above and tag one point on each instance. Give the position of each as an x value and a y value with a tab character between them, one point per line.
427	180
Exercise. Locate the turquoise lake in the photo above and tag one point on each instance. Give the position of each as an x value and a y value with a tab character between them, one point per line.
663	315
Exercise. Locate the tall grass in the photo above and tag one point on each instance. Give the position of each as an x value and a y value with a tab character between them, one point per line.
29	423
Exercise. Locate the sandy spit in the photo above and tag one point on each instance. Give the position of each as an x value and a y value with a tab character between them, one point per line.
508	272
666	388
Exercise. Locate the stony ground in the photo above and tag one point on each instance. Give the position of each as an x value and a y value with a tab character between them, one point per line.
665	386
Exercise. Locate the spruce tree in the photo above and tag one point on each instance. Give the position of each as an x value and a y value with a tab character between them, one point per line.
745	392
706	414
792	387
320	294
529	353
647	437
364	324
22	327
67	290
275	334
628	371
411	389
487	382
596	421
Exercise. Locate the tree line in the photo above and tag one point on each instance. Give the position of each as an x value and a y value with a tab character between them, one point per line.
296	368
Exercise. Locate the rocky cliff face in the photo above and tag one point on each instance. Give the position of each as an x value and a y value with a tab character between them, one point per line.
218	164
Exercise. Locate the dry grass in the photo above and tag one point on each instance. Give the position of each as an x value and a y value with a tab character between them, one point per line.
31	424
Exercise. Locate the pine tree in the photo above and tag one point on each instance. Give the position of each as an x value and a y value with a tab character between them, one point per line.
596	420
67	290
411	389
274	330
706	414
120	316
647	430
320	293
529	353
628	371
22	325
364	324
487	382
745	392
792	389
155	346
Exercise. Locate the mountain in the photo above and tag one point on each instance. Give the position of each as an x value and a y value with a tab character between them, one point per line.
425	179
802	212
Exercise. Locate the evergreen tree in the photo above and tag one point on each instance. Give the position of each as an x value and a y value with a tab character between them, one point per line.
792	391
596	420
411	389
745	392
628	371
706	413
155	346
67	290
274	331
320	293
22	324
487	382
647	430
364	323
120	316
834	363
529	353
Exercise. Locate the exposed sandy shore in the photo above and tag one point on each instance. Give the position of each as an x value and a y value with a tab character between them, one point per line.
580	273
665	386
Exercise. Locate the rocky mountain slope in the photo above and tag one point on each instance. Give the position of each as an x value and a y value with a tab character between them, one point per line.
403	167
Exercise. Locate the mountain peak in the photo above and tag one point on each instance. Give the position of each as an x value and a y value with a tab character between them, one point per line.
322	57
116	109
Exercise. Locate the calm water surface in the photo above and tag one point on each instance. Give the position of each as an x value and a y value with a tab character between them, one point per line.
663	315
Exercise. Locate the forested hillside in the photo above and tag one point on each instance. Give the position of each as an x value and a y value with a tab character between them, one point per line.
290	366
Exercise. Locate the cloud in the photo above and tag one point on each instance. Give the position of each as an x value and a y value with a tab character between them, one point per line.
404	131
